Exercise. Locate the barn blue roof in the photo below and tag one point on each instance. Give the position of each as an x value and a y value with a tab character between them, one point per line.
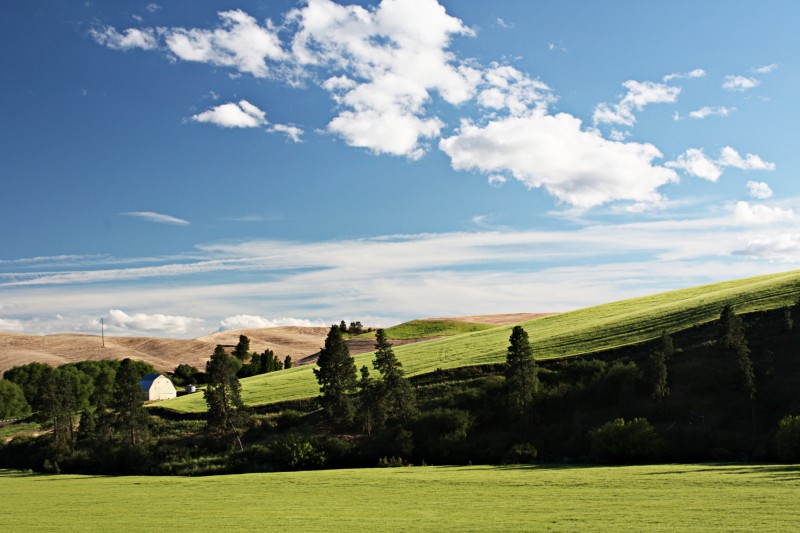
147	381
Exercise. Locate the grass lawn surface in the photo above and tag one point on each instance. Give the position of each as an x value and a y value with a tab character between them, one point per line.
476	498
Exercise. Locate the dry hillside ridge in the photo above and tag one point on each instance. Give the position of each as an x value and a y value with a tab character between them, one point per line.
302	343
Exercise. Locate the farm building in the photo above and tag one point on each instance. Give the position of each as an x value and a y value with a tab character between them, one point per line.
157	387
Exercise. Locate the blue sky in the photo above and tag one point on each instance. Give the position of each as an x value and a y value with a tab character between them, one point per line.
247	164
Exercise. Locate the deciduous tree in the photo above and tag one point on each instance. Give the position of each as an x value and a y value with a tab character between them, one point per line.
12	400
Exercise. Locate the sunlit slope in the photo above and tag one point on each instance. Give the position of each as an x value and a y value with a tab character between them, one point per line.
574	333
420	329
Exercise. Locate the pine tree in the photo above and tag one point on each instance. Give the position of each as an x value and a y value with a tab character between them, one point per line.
659	365
520	372
371	408
336	376
287	362
223	395
242	350
730	332
667	347
399	393
128	403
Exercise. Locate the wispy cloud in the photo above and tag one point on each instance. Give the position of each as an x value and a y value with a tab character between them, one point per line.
705	112
766	69
696	73
254	321
158	218
390	278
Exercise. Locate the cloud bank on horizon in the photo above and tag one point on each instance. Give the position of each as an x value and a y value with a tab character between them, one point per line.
622	209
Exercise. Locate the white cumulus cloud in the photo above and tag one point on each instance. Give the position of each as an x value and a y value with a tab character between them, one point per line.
739	83
695	162
639	95
578	167
151	322
239	42
761	214
729	157
233	115
386	63
292	132
505	87
759	189
126	40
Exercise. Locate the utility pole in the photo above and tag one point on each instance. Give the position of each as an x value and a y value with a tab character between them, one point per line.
103	332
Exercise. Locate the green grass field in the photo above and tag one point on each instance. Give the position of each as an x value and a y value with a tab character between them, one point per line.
567	334
478	498
421	329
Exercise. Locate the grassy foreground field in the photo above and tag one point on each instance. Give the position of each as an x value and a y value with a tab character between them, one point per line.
538	498
567	334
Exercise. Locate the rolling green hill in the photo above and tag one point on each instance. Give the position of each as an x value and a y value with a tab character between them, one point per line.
421	329
568	334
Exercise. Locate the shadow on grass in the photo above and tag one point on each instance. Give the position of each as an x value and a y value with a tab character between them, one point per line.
772	471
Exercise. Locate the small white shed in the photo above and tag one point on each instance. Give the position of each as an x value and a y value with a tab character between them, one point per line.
157	387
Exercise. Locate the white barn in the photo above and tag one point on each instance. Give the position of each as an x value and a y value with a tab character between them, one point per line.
157	387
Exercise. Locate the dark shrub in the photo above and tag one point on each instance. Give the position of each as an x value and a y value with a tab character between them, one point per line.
620	441
521	454
787	439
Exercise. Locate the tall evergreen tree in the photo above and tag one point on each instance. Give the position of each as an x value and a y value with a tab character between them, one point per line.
399	393
336	376
223	395
371	404
242	350
520	372
287	362
129	402
730	331
667	347
658	367
658	363
64	393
